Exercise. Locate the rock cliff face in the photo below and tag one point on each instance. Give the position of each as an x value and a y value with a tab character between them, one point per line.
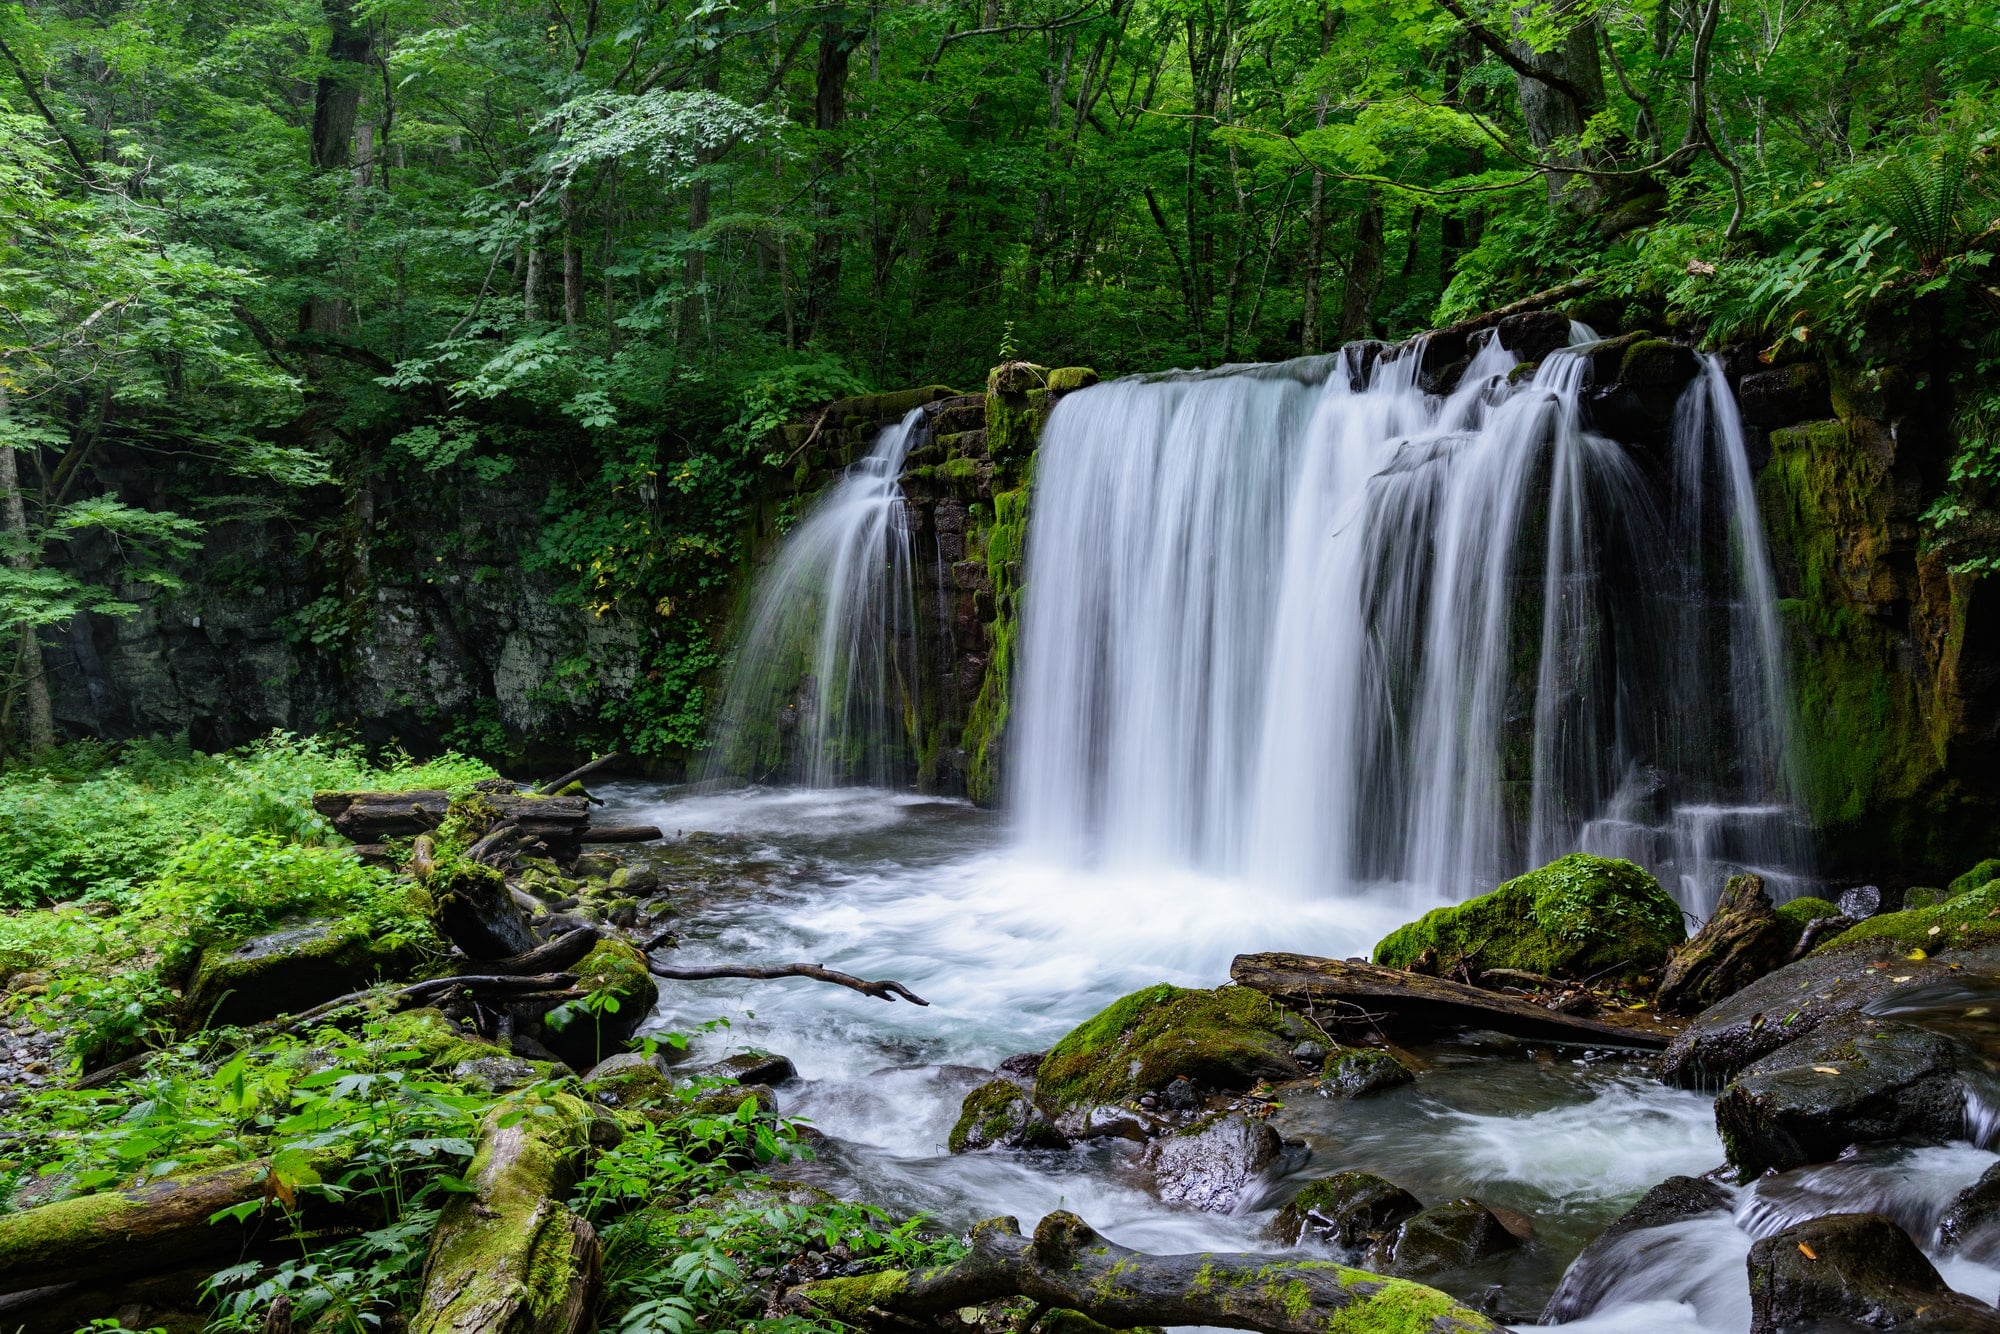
1895	661
413	617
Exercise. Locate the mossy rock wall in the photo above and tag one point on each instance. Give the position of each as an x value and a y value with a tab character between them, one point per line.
1897	702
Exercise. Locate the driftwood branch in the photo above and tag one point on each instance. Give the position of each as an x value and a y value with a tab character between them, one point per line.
1069	1266
558	954
887	991
555	785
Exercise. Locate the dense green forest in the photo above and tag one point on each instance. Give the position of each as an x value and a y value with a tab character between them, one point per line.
265	247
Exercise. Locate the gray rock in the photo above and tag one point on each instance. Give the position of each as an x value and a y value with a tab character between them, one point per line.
1351	1210
1590	1276
750	1068
1861	902
1787	1004
1853	1079
1000	1115
1211	1164
1449	1236
496	1074
291	970
1354	1072
1860	1269
623	1061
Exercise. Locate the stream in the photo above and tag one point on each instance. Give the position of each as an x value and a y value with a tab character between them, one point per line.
1012	952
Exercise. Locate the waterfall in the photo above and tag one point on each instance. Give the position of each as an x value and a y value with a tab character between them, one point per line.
820	686
1309	624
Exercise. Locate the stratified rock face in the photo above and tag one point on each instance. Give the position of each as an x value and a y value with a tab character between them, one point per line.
1856	1268
1579	916
1744	940
1351	1210
1592	1274
1442	1238
1229	1038
1852	1080
1213	1164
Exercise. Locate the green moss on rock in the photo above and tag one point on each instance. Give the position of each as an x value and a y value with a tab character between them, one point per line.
1978	877
998	1114
1228	1038
1579	916
1967	921
1796	913
623	994
295	968
1354	1072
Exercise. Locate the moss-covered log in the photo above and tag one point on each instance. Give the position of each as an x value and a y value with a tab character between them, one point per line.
123	1233
510	1258
1069	1266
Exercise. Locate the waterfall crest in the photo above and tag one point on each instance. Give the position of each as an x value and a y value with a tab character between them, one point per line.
1310	624
820	685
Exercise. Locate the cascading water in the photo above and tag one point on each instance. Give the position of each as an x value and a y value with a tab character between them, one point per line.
820	684
1308	624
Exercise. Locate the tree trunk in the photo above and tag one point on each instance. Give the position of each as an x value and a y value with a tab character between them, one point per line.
698	206
1364	271
572	264
337	96
531	282
38	718
836	44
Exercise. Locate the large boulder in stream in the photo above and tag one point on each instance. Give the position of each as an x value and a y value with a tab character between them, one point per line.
1783	1006
619	994
1580	917
1214	1163
1229	1038
1743	940
1848	1271
1854	1079
1617	1251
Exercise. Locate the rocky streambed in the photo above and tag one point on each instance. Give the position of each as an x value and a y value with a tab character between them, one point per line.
1804	1140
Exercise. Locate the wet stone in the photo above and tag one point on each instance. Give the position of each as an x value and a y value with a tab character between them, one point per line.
751	1068
999	1115
1445	1237
1212	1165
1355	1072
1351	1210
1854	1270
1971	1222
1592	1274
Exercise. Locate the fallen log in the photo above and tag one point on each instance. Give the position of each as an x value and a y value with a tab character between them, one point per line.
1391	998
553	957
623	833
373	817
887	991
1068	1266
119	1234
475	910
578	774
509	1257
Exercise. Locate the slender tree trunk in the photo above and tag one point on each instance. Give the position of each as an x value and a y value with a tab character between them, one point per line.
572	264
836	45
1364	271
336	100
698	207
531	282
37	716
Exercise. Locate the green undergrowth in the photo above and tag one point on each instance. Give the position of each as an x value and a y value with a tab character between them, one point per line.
90	820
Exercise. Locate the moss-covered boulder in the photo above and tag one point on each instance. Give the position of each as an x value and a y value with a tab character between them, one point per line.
1977	878
1354	1072
1228	1038
293	969
1000	1115
1579	916
619	995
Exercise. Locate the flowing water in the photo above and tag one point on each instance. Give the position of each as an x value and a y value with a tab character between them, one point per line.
1304	651
820	679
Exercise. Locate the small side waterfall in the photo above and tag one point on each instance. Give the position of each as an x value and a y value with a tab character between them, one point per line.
820	687
1310	624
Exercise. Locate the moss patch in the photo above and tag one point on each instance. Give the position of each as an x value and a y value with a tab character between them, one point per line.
1579	916
1796	913
998	1114
291	970
1978	877
1971	919
1227	1038
585	1032
1354	1072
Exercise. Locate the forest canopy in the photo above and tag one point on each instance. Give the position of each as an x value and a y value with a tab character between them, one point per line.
298	241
